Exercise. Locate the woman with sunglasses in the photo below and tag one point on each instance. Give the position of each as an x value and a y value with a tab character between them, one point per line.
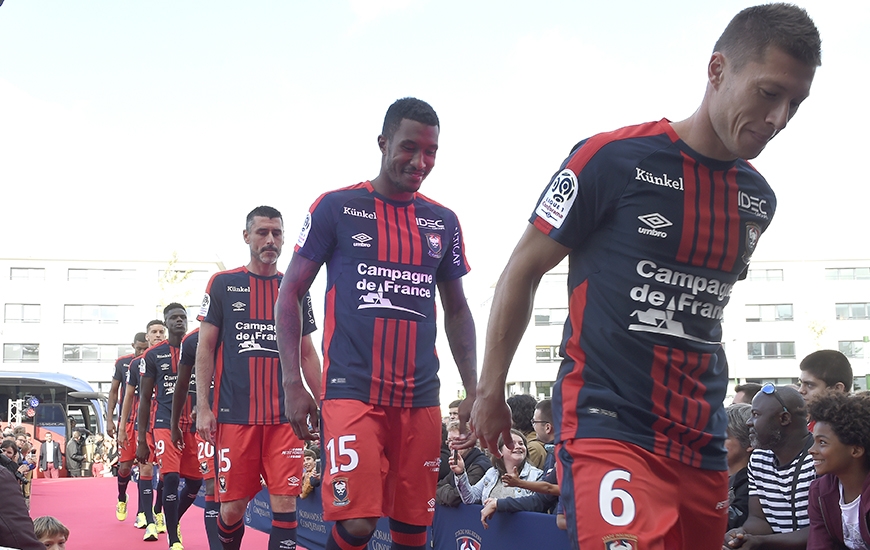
840	497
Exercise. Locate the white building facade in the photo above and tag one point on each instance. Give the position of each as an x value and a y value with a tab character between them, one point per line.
78	316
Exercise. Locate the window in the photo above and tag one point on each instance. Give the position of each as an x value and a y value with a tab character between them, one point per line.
545	354
769	312
771	350
92	313
853	349
22	313
765	275
550	316
20	353
192	311
853	311
79	353
26	274
75	274
847	274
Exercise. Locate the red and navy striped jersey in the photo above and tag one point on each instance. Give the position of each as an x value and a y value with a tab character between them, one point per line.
161	365
188	357
384	260
120	374
247	381
134	371
658	235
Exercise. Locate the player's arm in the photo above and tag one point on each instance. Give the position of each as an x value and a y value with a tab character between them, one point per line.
146	390
512	306
299	406
126	409
113	402
179	398
206	424
311	365
459	327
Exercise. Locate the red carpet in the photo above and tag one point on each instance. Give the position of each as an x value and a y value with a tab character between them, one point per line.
87	507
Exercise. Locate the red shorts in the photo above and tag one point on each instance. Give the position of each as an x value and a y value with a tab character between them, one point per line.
128	453
379	461
205	457
618	493
244	453
172	460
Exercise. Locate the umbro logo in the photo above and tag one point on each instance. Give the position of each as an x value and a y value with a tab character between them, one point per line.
654	222
362	240
239	306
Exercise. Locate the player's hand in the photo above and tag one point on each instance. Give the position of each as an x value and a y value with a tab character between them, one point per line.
488	510
110	427
511	479
142	452
457	465
206	424
466	438
300	409
177	437
122	439
734	538
491	417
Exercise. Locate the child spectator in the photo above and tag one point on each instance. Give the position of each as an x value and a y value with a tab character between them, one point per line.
476	465
51	532
310	475
840	496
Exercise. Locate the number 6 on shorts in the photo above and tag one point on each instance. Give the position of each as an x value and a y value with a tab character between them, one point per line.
607	493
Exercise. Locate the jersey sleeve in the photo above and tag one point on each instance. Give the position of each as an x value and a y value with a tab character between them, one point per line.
318	237
580	196
148	366
309	324
211	310
134	372
118	374
453	265
188	349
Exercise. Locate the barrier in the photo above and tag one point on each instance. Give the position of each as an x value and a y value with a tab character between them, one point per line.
452	529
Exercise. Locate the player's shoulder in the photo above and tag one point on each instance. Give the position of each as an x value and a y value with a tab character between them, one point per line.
629	143
343	194
156	349
124	359
191	337
238	272
424	200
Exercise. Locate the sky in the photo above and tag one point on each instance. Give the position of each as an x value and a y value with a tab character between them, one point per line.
133	129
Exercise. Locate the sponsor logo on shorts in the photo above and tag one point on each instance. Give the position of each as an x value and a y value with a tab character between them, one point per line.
293	481
466	539
222	483
431	503
433	465
340	496
239	306
558	199
620	542
434	242
654	221
362	240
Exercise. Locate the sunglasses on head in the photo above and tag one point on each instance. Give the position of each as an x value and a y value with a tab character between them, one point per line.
770	389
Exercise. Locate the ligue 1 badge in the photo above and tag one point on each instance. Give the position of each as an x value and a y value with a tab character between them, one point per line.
434	242
339	492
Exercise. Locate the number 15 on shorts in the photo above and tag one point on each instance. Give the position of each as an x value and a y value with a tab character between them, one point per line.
348	457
